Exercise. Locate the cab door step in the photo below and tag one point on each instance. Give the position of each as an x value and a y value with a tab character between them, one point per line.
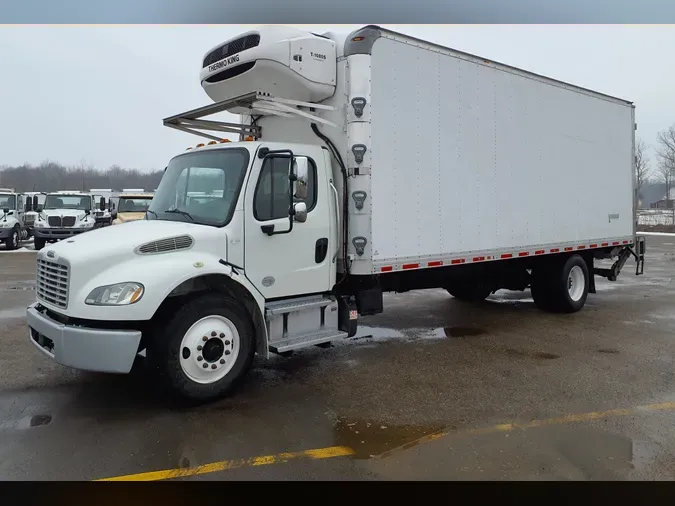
301	322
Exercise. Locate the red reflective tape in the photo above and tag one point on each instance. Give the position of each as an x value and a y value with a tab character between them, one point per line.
581	247
387	269
478	259
615	243
507	255
457	261
523	253
539	252
555	250
625	242
411	266
605	244
593	246
569	249
435	264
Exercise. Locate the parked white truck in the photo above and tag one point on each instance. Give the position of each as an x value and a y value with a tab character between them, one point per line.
367	163
13	227
64	214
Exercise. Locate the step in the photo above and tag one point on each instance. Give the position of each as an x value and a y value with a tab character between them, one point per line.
300	304
306	340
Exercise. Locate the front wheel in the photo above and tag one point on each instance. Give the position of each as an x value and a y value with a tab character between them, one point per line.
39	243
205	349
13	240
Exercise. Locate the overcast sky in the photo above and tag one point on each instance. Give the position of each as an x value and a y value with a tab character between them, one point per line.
98	94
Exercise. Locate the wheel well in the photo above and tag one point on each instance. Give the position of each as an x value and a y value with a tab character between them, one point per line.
219	283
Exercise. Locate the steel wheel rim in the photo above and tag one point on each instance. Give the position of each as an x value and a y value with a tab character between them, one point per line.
575	283
15	239
220	350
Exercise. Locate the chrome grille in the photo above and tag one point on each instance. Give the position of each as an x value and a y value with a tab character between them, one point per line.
54	221
68	221
51	283
169	244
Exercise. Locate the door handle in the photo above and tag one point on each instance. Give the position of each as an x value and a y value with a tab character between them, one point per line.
321	250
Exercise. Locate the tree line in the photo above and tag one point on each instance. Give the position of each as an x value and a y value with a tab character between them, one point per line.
51	176
662	169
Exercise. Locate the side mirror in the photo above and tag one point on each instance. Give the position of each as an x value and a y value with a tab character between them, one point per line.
28	207
300	170
6	210
38	208
300	212
36	204
101	204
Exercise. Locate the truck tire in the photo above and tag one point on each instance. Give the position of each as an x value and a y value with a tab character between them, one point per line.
38	243
470	291
561	286
12	242
204	349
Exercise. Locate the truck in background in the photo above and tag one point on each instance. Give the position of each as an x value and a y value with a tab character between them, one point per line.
64	215
34	202
13	227
132	205
104	209
366	163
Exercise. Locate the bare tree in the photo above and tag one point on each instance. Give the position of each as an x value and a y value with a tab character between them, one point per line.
665	153
642	168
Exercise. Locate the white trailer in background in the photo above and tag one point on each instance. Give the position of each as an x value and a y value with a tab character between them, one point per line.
367	163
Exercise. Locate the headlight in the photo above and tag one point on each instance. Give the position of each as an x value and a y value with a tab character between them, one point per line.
5	224
120	294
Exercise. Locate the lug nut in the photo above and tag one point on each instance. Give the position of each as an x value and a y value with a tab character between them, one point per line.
205	338
214	334
200	358
222	335
222	360
227	343
214	366
205	366
227	352
199	348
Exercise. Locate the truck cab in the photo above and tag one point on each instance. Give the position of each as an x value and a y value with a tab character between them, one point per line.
64	215
13	228
132	206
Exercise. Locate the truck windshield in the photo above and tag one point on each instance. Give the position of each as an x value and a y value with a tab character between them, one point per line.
133	204
67	202
201	187
7	201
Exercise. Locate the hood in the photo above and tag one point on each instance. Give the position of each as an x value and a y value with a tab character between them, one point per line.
117	244
64	212
130	216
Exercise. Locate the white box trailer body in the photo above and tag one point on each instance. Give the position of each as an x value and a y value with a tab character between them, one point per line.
366	163
469	158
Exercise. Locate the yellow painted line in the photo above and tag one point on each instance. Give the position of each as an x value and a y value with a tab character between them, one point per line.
226	465
510	427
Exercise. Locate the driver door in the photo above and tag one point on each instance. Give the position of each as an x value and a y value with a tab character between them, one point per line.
294	263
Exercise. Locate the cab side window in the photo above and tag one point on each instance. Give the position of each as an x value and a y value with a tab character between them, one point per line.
271	199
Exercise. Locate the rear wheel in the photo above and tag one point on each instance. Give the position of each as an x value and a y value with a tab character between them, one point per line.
205	349
561	286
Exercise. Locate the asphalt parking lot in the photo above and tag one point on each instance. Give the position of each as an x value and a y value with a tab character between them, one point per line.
433	389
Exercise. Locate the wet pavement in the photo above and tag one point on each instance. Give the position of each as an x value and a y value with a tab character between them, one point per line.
431	389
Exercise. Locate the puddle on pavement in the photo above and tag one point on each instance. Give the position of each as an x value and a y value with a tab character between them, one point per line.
26	422
370	439
463	331
365	332
17	312
376	333
608	350
539	355
38	420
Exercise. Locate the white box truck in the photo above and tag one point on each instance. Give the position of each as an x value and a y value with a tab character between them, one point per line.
366	163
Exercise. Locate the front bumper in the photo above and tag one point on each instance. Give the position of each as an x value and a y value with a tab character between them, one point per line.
5	233
89	349
58	233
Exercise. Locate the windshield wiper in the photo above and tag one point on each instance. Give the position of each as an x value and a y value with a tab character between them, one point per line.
153	212
179	211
